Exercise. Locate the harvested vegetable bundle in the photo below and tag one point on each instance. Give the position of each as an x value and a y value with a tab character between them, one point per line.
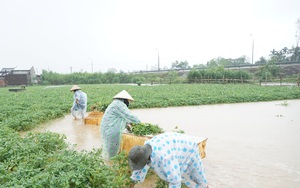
143	129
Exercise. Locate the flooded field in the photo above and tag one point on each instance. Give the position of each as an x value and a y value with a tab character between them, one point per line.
249	144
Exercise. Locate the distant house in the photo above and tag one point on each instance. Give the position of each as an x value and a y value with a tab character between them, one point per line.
12	76
3	73
2	81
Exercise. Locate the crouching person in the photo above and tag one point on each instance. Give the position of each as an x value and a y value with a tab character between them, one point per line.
174	157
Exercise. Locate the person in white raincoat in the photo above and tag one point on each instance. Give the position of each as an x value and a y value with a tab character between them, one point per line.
174	157
113	123
80	103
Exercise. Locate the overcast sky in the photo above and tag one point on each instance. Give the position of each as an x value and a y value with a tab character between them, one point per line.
95	35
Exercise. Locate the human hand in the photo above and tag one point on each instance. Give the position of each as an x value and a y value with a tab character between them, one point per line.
149	162
129	127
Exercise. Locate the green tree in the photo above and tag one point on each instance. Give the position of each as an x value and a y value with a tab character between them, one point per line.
269	70
212	63
199	66
240	61
261	60
180	65
220	61
172	76
281	55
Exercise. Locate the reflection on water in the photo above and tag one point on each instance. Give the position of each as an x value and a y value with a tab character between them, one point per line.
85	137
249	144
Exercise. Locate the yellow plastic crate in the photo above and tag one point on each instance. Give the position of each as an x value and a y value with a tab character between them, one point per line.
94	118
130	140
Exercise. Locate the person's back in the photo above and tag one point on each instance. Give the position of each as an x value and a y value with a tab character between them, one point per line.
113	123
82	98
175	156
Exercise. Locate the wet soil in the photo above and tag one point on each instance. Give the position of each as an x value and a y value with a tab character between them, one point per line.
249	144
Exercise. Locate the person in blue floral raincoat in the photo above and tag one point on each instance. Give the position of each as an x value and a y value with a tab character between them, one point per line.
174	157
79	106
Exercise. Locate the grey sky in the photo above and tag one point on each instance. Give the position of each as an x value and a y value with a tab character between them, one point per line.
128	34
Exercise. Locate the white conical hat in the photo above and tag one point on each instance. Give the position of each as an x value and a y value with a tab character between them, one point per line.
123	95
75	87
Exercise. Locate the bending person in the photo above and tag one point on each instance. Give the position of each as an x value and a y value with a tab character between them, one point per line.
113	123
174	157
80	103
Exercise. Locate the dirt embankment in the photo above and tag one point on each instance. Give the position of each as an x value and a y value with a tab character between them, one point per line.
290	69
286	70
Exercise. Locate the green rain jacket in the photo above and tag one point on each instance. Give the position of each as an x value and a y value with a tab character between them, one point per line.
113	123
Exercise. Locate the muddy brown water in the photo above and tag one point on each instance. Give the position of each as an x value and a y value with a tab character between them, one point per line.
249	144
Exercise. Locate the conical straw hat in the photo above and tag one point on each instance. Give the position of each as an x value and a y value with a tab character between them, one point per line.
123	95
75	87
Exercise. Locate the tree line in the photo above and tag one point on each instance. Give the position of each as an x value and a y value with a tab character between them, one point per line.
216	73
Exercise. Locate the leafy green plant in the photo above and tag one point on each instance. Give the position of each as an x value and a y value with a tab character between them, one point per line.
45	160
160	183
179	130
142	129
285	103
122	170
99	106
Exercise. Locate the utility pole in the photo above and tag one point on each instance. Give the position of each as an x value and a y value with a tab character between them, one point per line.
297	40
91	64
252	48
157	59
71	69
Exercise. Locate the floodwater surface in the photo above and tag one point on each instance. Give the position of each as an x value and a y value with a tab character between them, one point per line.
249	144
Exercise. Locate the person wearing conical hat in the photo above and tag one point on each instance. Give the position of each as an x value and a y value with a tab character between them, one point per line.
78	109
113	123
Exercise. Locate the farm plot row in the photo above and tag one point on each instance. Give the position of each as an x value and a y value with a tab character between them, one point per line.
27	109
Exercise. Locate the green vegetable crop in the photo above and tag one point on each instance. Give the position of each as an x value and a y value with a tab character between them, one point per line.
142	129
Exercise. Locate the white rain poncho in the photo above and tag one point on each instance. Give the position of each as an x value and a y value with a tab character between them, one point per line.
175	158
113	123
78	110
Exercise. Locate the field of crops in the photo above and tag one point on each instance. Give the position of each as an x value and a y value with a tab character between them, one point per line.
27	109
44	160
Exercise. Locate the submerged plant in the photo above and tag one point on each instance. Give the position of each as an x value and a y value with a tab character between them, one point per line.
285	103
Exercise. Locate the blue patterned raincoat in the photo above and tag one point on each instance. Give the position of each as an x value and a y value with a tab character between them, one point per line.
175	158
79	109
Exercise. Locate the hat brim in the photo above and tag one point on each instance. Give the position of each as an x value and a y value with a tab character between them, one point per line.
139	165
75	87
123	95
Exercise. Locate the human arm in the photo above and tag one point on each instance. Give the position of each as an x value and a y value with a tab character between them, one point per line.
125	113
138	176
76	97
